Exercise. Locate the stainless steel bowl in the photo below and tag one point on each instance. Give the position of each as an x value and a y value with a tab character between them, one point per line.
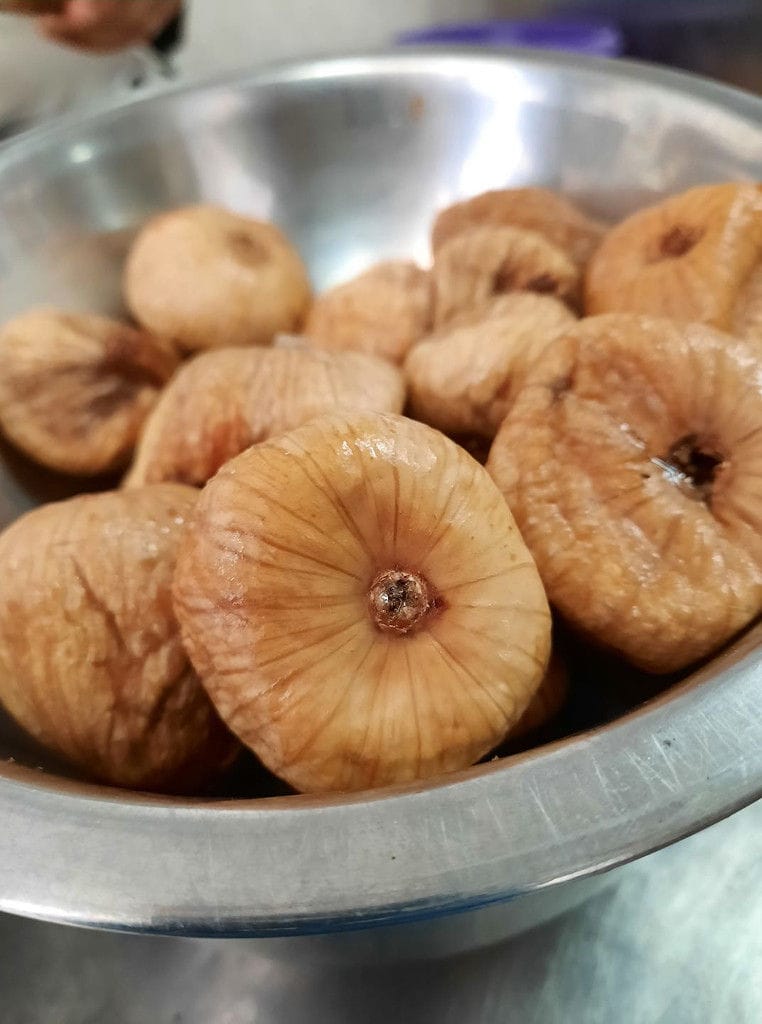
353	156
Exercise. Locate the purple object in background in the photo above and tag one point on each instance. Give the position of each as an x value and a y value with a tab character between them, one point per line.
590	37
716	38
655	12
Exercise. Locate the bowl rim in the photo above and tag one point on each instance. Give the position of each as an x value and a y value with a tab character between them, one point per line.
83	855
388	62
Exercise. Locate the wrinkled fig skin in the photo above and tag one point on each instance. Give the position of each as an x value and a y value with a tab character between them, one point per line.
360	604
75	389
383	311
483	263
209	278
632	460
221	402
462	380
91	662
695	256
531	209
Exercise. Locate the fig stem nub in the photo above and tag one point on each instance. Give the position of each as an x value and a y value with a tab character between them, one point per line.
399	601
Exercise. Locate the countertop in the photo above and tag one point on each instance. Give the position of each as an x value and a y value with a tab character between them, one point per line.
677	941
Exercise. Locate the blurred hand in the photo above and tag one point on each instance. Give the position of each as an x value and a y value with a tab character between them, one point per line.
103	26
30	7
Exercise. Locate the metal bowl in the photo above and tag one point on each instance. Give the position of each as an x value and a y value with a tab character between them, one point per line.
353	157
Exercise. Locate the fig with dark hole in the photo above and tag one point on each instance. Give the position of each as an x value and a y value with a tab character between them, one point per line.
483	263
696	256
632	460
540	210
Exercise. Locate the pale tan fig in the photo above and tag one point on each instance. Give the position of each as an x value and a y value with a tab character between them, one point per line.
209	278
360	604
482	263
91	662
695	256
462	380
632	460
532	209
75	389
221	402
383	311
547	701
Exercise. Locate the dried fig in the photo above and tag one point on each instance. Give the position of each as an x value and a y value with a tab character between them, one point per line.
462	380
75	389
91	662
360	604
209	278
632	460
695	256
479	264
532	209
221	402
383	311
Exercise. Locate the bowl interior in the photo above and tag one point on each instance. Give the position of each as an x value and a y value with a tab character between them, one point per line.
352	158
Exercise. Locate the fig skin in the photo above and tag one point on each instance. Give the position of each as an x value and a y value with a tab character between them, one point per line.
91	662
462	380
221	402
483	263
632	460
392	628
75	389
382	311
551	215
695	256
209	278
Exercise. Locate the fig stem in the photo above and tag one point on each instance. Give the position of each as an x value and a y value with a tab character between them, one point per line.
399	601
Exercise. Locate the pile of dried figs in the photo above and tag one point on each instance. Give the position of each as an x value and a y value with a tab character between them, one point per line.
293	566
